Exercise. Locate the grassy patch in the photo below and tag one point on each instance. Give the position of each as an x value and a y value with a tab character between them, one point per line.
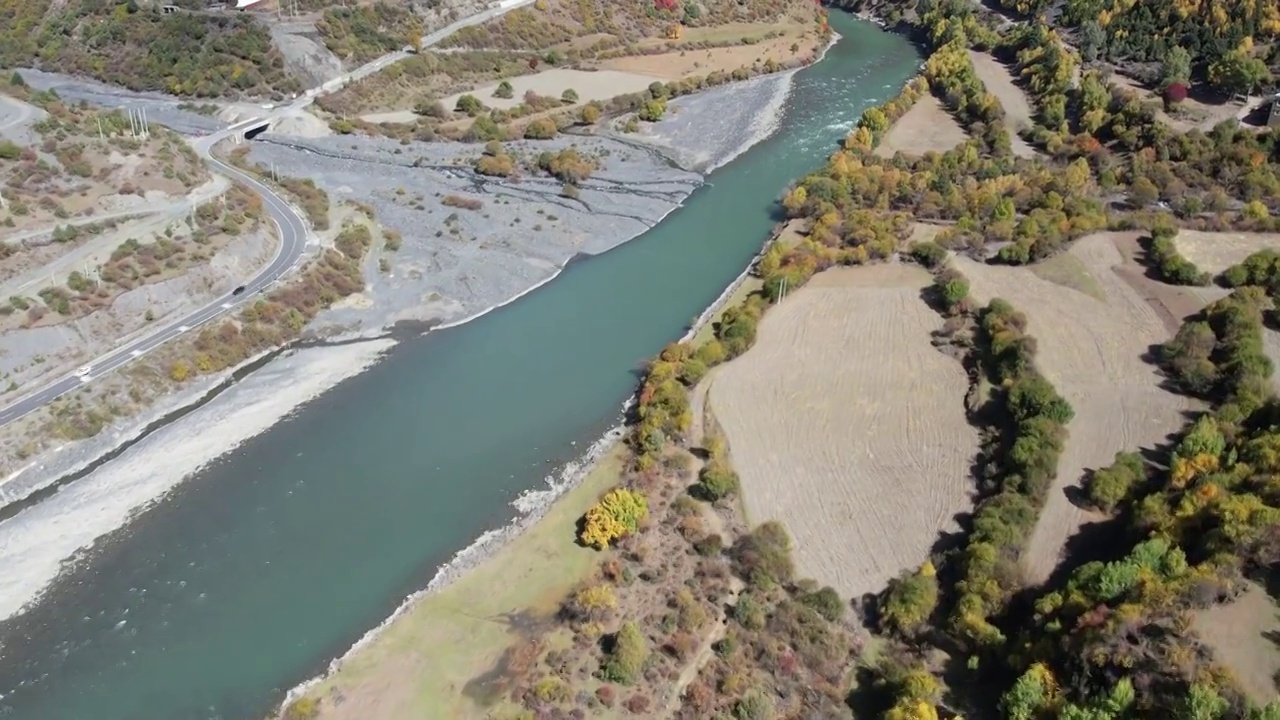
1066	270
463	624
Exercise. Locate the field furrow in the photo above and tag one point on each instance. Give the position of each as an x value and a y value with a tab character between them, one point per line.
849	427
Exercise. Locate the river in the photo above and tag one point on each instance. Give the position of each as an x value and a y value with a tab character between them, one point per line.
258	570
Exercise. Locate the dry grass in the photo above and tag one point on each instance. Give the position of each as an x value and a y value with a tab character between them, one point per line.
1066	270
1241	633
1214	252
420	665
927	126
1017	107
681	63
849	427
1092	350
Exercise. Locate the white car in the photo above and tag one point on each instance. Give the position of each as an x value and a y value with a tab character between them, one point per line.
84	371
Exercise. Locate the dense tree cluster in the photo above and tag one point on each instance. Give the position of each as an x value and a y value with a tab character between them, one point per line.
1169	263
1219	354
141	48
361	33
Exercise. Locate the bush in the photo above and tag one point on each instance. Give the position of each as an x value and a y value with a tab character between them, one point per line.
1110	486
504	91
763	556
652	110
754	705
826	601
716	481
1171	266
569	97
469	104
626	659
593	602
459	201
618	514
302	709
909	600
9	150
541	129
928	254
589	115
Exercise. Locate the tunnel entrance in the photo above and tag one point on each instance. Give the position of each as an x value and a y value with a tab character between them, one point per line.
253	132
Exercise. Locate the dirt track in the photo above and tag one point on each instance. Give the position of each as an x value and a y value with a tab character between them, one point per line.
1092	351
849	427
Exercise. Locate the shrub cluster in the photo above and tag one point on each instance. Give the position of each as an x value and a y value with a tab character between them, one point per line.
1169	263
1027	460
1219	353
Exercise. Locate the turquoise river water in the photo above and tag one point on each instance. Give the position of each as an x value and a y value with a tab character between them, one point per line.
256	572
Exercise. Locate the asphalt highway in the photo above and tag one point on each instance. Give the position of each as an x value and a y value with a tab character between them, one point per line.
291	228
292	231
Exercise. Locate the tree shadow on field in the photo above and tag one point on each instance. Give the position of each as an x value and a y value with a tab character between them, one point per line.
492	685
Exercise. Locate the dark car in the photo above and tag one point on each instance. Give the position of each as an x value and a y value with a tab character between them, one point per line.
238	290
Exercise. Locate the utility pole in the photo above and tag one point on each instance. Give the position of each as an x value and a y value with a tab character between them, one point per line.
133	129
100	136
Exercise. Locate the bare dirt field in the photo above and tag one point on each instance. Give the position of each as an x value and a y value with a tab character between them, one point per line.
1017	107
1240	634
1191	114
1092	350
681	63
927	126
1214	252
849	427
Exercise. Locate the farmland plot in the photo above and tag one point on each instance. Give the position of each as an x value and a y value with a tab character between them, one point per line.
1092	351
846	424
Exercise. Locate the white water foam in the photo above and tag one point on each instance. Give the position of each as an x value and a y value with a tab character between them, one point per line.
35	543
770	119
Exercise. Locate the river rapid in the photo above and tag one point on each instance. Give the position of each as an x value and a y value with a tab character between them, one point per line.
257	570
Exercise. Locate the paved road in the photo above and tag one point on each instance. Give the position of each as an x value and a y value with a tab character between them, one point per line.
290	225
292	230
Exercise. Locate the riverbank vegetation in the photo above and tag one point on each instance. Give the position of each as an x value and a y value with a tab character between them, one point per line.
141	47
693	613
555	46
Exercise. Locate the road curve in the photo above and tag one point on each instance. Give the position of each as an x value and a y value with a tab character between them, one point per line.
292	231
290	225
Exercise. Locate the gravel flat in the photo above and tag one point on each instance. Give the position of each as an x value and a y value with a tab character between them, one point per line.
456	262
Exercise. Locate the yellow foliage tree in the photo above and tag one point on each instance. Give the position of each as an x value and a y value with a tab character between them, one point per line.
179	371
1187	469
618	514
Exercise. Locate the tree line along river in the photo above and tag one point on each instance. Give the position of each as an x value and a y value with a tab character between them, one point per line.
258	570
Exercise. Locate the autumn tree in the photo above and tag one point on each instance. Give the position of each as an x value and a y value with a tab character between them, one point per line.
1239	72
618	514
909	600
